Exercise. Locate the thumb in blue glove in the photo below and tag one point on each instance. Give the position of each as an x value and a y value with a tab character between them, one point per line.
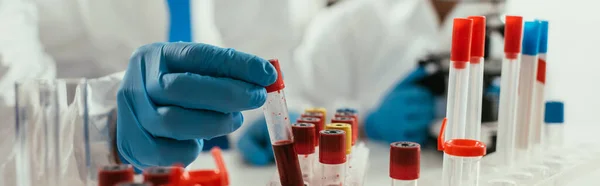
404	114
174	95
255	144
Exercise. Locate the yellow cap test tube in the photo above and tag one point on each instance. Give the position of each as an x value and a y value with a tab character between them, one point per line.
317	109
347	129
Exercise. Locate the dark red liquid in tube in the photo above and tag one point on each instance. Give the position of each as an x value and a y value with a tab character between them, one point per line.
112	175
286	159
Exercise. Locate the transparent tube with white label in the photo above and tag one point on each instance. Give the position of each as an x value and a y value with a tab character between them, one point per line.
527	74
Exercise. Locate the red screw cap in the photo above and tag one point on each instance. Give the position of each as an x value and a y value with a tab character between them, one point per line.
304	138
113	174
478	36
405	160
352	122
513	36
278	85
319	124
460	53
333	146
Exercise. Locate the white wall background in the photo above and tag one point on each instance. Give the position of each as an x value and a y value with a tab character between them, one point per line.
573	69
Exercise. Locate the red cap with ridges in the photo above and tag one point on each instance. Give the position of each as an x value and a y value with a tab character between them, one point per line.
319	124
278	85
113	174
478	36
304	138
460	53
333	146
405	160
513	36
352	122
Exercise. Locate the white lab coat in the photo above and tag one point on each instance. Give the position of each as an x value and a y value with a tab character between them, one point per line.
351	54
87	38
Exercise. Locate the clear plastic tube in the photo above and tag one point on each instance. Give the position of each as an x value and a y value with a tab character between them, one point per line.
456	111
306	165
537	124
458	170
473	124
396	182
524	107
554	135
280	132
507	112
333	174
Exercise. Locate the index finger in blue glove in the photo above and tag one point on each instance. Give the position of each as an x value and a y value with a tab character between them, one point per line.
195	91
218	62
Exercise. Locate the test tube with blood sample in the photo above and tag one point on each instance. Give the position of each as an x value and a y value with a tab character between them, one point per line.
332	157
304	143
319	125
350	121
280	132
111	175
405	160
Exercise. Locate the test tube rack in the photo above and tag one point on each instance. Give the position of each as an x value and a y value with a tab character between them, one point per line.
555	166
356	169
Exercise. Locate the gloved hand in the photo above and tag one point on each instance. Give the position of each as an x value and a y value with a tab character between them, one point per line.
404	114
255	144
174	95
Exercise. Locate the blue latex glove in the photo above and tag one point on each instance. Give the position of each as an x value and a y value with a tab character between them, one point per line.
174	95
255	144
404	114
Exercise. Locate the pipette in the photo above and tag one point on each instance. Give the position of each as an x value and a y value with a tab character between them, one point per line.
513	33
458	82
111	175
405	162
473	125
527	74
537	124
462	160
280	132
350	121
554	119
304	142
332	157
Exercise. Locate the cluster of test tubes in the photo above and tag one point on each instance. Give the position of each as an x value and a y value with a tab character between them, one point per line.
123	175
522	103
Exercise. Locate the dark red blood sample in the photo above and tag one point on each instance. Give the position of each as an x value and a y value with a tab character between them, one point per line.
304	138
352	122
134	184
317	121
112	175
159	175
333	147
286	159
405	160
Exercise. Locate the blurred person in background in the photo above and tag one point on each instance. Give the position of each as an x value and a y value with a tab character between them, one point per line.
173	96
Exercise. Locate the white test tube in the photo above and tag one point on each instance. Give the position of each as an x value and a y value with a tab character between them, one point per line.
462	159
405	162
458	80
527	74
554	119
536	132
505	147
280	132
332	156
473	124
